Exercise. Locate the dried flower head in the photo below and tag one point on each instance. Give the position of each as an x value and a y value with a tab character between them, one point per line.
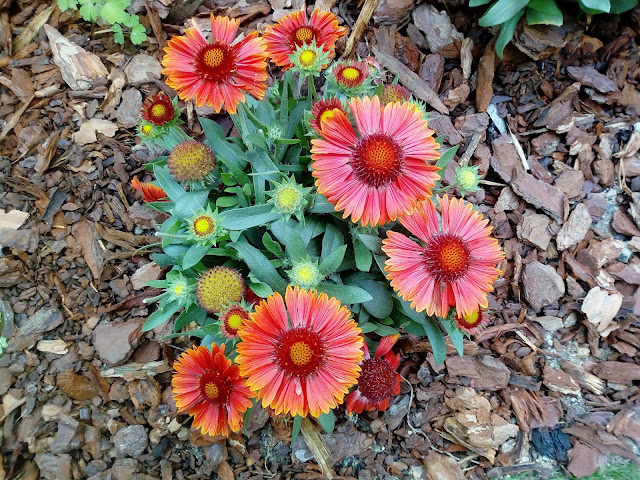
191	161
219	286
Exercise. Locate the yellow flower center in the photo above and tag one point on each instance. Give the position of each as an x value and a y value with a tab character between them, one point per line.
305	274
288	198
146	129
350	73
203	225
466	178
300	353
471	318
178	289
158	110
213	57
235	321
326	115
304	34
307	58
211	390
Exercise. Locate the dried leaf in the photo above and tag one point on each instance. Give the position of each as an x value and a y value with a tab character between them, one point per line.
14	219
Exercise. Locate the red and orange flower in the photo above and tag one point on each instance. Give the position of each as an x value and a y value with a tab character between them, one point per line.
378	380
351	74
322	110
473	322
454	264
216	73
231	319
293	30
158	109
380	172
301	353
149	191
210	389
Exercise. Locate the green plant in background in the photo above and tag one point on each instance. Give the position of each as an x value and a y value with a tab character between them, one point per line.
113	12
507	13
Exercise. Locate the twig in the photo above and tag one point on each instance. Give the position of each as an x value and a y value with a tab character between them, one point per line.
363	19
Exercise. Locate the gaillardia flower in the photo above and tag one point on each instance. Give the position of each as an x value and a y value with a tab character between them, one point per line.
453	265
305	274
216	73
191	161
468	178
380	172
323	110
149	191
350	75
309	59
392	92
473	322
289	198
210	389
203	227
158	109
300	354
231	319
218	287
378	379
293	30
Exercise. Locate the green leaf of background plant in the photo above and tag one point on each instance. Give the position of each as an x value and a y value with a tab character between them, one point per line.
89	11
331	240
248	217
506	32
544	12
295	246
195	313
271	245
333	261
372	242
501	11
327	421
113	12
384	330
118	36
295	431
160	316
322	205
477	3
362	255
194	255
436	339
138	34
456	336
168	184
621	6
347	294
446	157
595	6
381	303
260	266
67	4
191	203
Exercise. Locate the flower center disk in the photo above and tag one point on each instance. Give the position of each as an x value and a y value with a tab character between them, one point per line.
377	160
215	62
303	35
204	226
377	379
446	257
213	389
299	352
307	58
158	110
350	73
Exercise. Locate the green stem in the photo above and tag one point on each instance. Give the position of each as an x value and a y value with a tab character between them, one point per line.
444	189
312	89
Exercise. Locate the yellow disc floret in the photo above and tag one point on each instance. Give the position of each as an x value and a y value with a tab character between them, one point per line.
218	287
287	199
307	58
350	73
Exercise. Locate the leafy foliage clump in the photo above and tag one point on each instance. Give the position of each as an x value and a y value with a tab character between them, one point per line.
113	12
506	14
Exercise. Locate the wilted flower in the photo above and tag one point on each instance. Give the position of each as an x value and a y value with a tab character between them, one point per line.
191	161
219	286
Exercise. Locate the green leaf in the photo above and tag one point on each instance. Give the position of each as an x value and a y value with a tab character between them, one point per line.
271	245
295	246
333	261
544	12
160	316
229	154
347	294
168	184
261	289
436	339
260	266
477	3
328	421
595	6
295	431
455	335
194	255
138	34
362	255
113	12
67	4
372	242
131	21
331	240
118	36
381	303
501	11
446	157
384	331
248	217
621	6
506	32
322	205
195	313
89	11
191	203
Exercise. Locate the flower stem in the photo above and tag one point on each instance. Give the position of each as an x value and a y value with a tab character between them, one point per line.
312	89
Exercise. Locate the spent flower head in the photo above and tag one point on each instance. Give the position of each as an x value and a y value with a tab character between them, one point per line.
392	92
191	161
219	286
204	227
468	179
